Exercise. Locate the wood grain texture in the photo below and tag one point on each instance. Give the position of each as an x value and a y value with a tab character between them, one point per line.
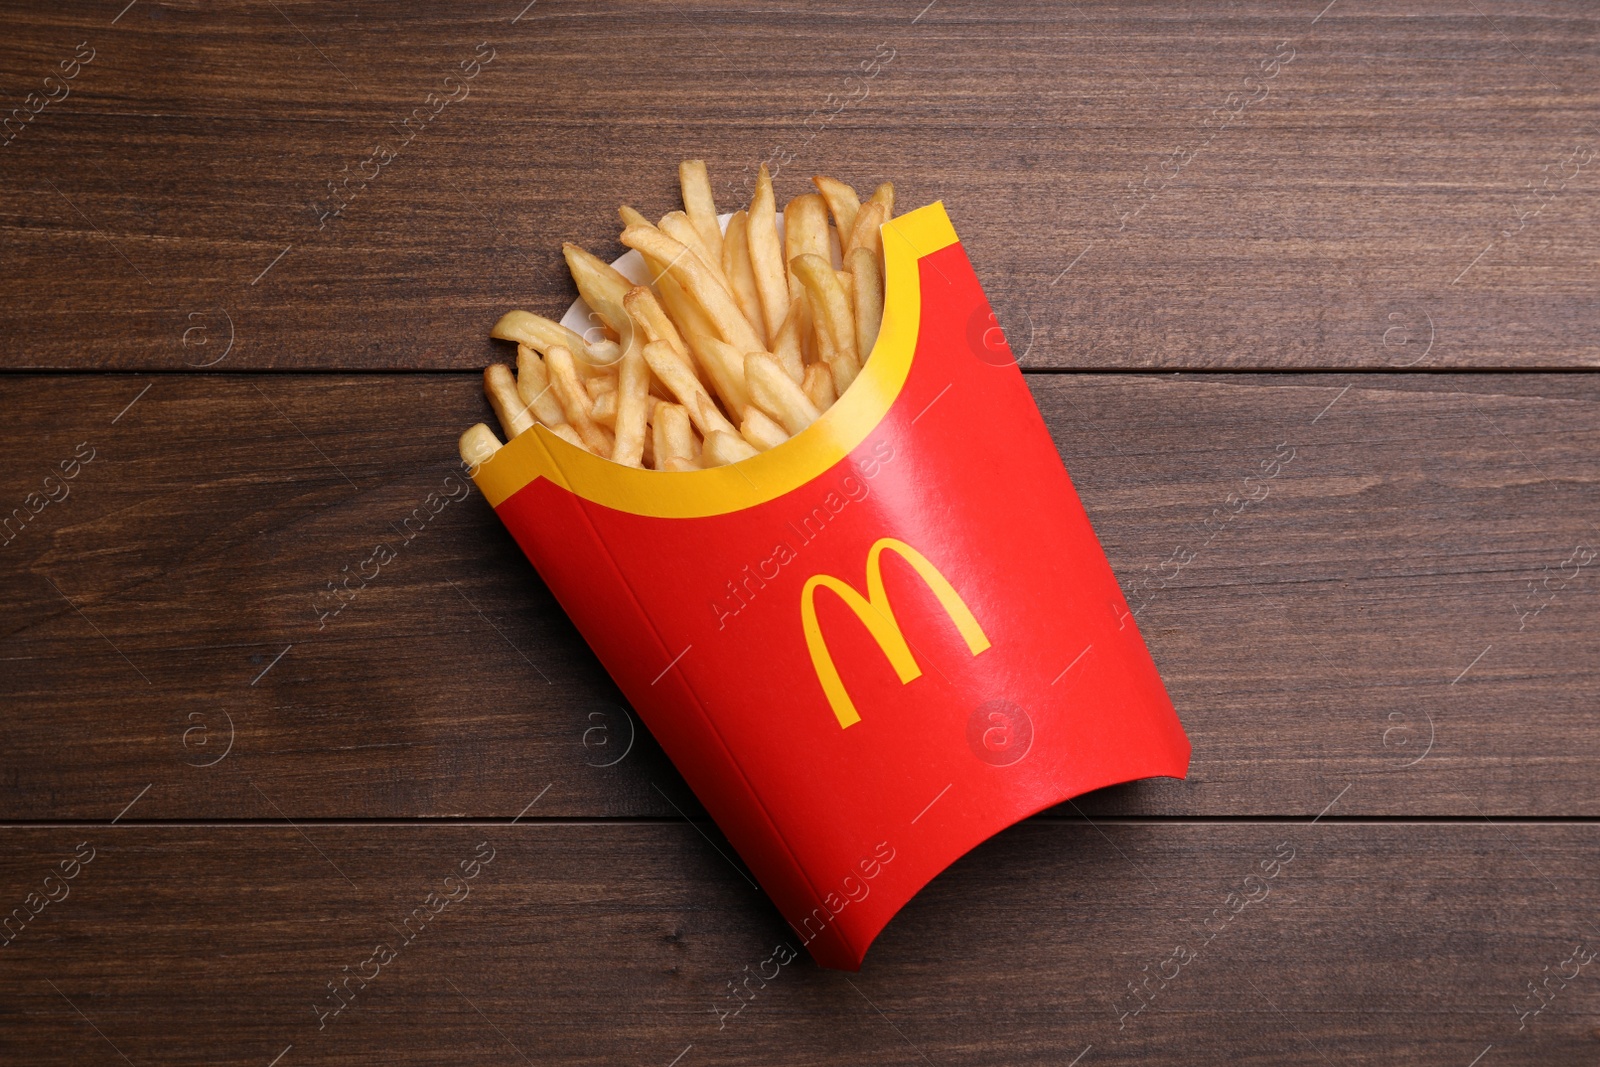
1370	590
1374	581
1265	185
1372	944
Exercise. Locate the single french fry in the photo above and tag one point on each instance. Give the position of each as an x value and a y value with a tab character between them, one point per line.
676	225
575	400
700	205
766	259
633	388
805	227
542	334
631	217
477	446
867	232
677	376
535	331
501	389
603	409
602	287
697	282
836	330
777	394
724	365
722	447
787	347
673	438
867	282
805	322
741	276
818	386
533	386
843	203
884	194
760	431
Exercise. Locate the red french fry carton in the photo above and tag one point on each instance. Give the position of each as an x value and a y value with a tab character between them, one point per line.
873	647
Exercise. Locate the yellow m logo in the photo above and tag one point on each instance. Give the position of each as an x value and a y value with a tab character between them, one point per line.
877	616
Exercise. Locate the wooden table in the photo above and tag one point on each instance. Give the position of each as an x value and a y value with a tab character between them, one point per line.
1360	235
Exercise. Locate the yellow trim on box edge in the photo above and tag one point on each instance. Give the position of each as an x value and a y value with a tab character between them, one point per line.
768	475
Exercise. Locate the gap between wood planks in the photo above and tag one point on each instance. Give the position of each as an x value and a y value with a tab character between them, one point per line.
477	372
669	820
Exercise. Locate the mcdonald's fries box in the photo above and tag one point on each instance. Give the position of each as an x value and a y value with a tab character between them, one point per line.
878	644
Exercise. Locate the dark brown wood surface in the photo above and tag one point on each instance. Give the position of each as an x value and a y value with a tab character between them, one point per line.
1317	635
1386	662
585	944
1261	184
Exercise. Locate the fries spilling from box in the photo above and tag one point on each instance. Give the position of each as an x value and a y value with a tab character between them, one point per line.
783	474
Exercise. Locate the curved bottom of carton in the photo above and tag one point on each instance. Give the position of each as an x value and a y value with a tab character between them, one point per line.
846	949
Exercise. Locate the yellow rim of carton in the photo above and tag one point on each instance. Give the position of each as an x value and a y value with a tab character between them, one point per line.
538	453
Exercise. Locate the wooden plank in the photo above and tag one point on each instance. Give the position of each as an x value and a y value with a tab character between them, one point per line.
1367	581
604	944
1271	185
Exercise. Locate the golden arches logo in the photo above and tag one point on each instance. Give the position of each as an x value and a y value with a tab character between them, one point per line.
877	615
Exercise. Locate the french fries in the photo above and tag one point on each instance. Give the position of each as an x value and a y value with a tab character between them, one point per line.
776	394
533	386
501	389
741	337
680	378
766	255
721	448
541	334
703	287
818	386
601	286
478	445
676	225
843	204
699	204
868	230
674	438
805	227
867	291
575	402
740	274
632	393
836	331
761	431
